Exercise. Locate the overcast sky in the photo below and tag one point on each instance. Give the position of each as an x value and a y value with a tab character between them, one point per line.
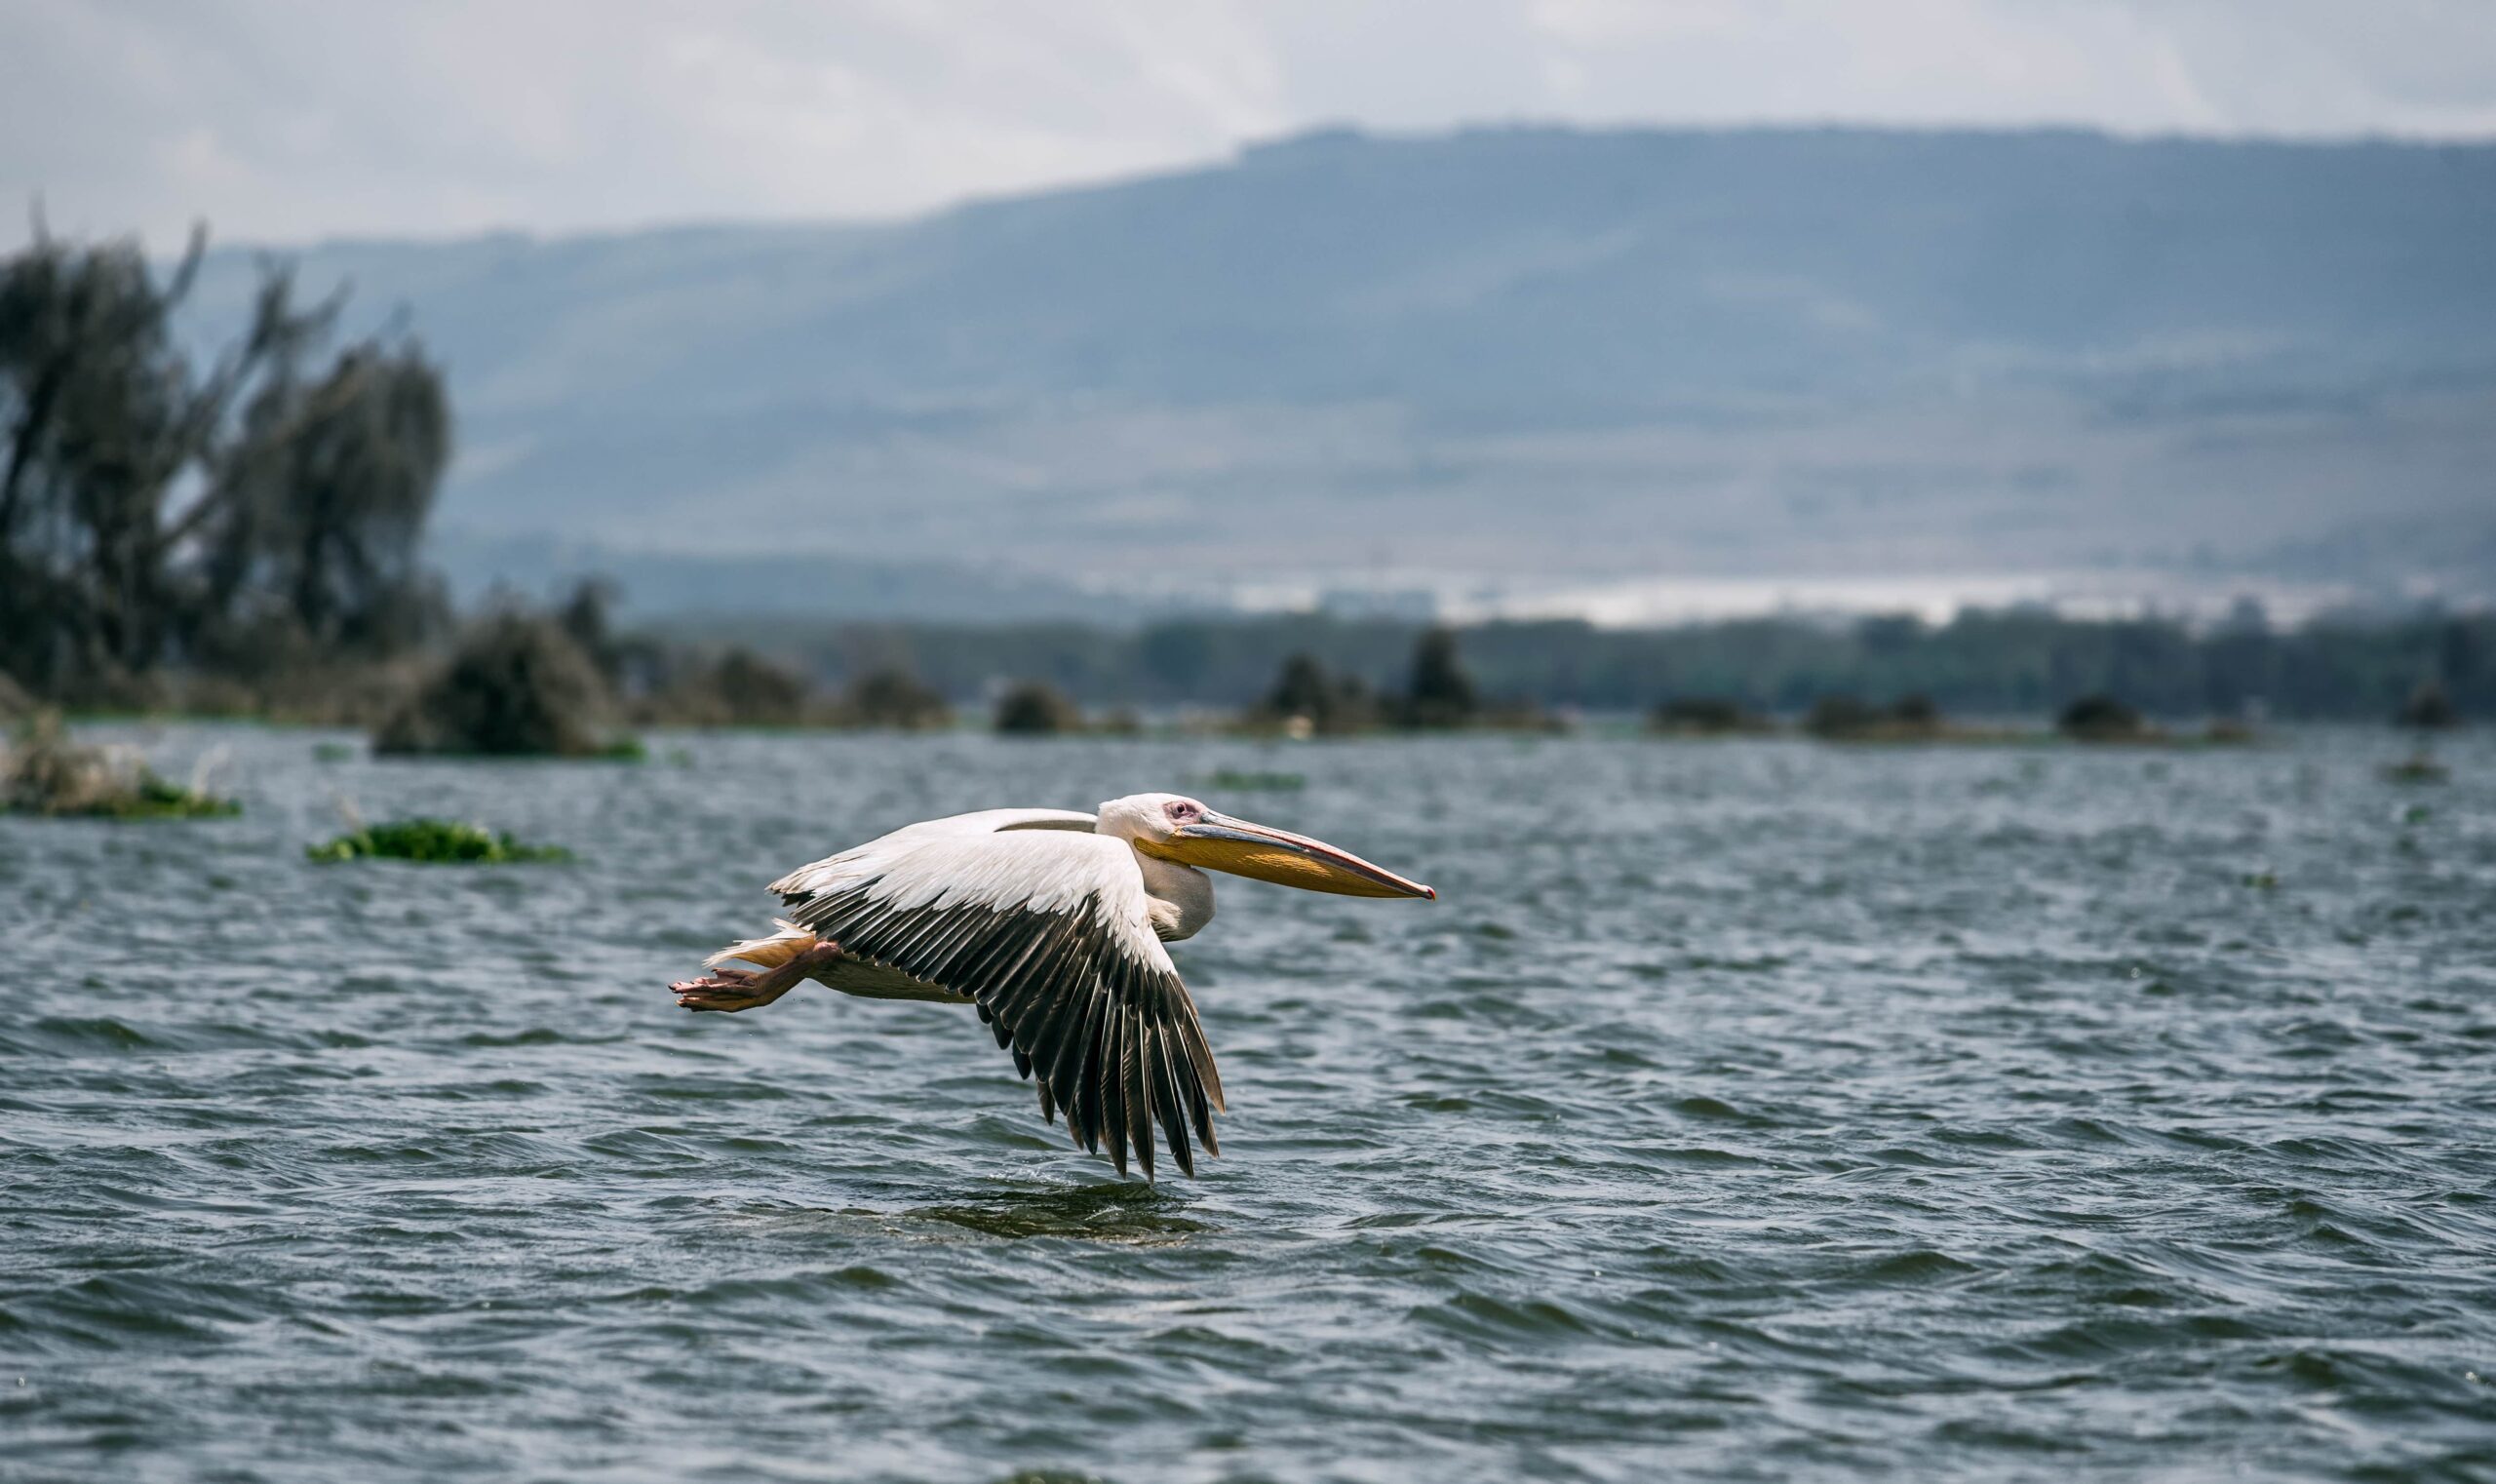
286	120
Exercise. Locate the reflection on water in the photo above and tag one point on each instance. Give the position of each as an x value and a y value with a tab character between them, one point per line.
1120	1211
1742	1110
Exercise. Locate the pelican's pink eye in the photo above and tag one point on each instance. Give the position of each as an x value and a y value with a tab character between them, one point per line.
1181	814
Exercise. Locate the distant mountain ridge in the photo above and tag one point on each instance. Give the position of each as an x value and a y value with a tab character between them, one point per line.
1537	351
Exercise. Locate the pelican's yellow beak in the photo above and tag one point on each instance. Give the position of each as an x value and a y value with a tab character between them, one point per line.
1219	843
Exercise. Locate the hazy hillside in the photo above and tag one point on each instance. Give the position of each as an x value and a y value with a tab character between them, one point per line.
1522	351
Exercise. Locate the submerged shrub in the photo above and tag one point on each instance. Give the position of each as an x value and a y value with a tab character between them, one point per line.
435	842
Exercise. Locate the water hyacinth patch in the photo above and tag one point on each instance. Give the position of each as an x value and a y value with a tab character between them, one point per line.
433	842
157	798
1249	781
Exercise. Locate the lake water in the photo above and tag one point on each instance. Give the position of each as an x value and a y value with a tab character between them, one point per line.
1753	1111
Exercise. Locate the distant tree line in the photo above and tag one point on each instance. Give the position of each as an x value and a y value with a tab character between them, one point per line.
256	514
559	682
255	518
2017	662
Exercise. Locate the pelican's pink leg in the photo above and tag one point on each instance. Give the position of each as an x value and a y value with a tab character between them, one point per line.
733	989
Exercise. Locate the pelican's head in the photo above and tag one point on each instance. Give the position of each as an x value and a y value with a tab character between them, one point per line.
1173	827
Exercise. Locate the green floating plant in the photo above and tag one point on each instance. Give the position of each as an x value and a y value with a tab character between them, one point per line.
435	842
1236	780
163	798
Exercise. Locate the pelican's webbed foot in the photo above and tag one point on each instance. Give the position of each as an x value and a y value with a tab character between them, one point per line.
731	989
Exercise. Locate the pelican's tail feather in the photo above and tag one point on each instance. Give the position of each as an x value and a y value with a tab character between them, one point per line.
765	952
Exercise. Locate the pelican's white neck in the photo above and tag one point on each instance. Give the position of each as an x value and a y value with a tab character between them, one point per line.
1181	897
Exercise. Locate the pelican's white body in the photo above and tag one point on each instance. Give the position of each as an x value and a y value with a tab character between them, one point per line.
1047	861
1052	923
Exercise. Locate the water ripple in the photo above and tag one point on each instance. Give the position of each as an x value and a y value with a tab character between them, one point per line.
1742	1111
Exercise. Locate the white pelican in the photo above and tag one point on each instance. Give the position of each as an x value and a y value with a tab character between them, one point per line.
1051	923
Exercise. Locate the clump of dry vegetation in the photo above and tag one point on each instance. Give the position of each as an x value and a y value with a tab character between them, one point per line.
658	683
1306	701
1037	709
45	772
1844	718
517	686
738	688
1439	695
894	699
1910	719
2429	709
2103	719
1707	716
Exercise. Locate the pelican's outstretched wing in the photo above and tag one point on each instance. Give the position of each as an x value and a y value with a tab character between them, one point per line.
1043	925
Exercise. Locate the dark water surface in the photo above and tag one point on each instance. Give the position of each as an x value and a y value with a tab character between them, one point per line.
1742	1111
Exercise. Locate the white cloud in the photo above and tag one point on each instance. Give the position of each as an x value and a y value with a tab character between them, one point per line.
289	119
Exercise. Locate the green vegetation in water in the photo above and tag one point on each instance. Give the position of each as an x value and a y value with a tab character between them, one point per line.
150	797
1244	781
434	842
45	772
158	798
2416	768
332	751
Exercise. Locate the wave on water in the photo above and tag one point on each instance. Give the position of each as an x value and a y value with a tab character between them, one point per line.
1751	1110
